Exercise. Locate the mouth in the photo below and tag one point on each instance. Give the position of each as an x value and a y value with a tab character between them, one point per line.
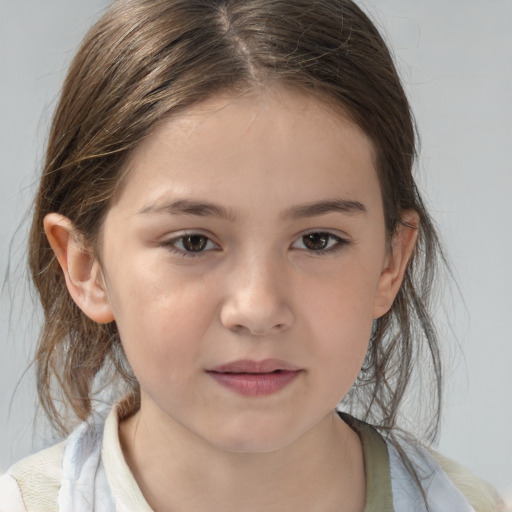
255	378
250	366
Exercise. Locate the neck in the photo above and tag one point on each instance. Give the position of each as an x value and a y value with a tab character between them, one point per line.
177	471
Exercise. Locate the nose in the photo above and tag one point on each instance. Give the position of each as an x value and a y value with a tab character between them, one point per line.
257	300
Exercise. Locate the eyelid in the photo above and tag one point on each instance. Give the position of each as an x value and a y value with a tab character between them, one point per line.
342	241
170	243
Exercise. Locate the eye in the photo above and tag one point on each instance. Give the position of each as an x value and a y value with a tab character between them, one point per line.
320	242
190	244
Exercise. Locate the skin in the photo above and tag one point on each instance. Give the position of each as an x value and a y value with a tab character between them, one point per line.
255	291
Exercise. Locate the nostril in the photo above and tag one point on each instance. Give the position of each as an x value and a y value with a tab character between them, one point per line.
256	319
263	332
259	332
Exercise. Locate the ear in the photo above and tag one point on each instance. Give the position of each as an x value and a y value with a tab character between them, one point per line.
392	275
82	270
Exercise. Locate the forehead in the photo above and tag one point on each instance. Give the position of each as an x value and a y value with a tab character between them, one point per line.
281	145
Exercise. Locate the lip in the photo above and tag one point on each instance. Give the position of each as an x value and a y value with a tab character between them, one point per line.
255	378
250	366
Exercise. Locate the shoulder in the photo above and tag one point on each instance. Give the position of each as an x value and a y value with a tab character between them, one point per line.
443	481
401	471
10	495
34	482
51	478
482	495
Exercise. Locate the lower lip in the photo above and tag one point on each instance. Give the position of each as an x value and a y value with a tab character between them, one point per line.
256	384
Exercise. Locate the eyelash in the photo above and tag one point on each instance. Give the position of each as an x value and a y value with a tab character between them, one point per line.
340	242
171	244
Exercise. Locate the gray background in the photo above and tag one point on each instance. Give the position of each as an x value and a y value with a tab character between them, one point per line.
455	57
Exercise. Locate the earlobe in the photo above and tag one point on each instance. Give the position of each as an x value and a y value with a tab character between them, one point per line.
392	276
82	270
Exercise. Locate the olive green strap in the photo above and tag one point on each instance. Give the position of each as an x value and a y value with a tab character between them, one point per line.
379	496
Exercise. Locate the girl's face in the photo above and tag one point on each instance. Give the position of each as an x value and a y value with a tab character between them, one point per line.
244	261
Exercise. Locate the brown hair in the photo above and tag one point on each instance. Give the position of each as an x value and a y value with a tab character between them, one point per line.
146	60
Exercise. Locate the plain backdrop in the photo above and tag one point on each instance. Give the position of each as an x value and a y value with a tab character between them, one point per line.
455	57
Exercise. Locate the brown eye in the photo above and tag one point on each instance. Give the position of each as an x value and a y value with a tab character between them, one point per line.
317	241
320	243
194	243
190	245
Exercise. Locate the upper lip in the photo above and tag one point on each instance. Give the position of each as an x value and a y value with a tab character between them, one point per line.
250	366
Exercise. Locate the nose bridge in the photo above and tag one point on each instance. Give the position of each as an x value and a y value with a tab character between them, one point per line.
261	280
257	299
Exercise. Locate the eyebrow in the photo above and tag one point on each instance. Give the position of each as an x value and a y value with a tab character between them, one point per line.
318	208
208	209
190	207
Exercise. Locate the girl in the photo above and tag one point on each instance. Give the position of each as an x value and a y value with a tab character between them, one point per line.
228	236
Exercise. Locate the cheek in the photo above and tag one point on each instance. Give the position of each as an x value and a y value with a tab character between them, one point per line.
161	319
344	296
340	317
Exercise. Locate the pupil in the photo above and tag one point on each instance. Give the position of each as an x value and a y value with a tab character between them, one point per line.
194	243
316	241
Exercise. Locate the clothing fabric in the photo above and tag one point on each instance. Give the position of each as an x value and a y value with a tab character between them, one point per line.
88	473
